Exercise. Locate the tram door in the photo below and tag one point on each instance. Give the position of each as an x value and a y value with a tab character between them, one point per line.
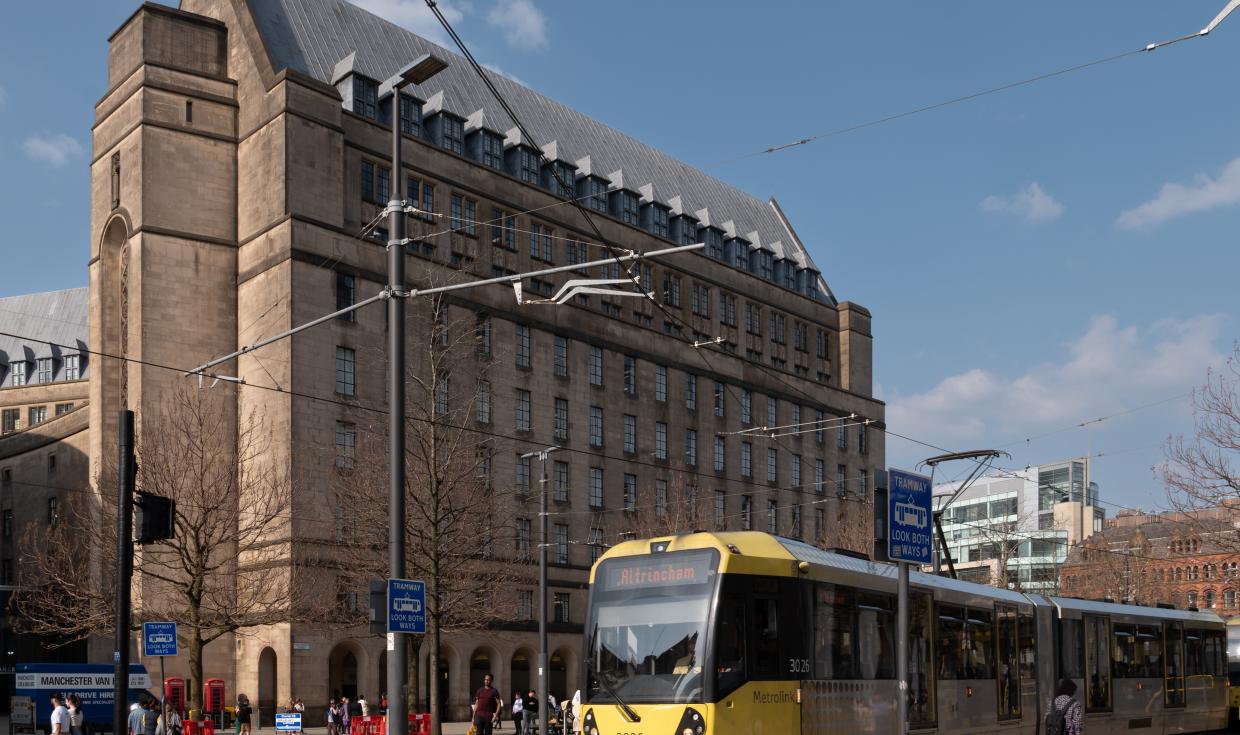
1097	663
1173	665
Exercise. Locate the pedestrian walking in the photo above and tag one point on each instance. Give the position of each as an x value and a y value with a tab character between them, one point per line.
529	715
150	717
346	717
244	714
518	704
135	717
60	716
363	705
486	706
333	717
1063	714
576	709
74	705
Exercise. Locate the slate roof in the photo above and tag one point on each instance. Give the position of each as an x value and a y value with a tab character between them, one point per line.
56	316
314	37
1159	532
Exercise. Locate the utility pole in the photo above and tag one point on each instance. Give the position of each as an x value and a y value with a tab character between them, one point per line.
543	705
124	569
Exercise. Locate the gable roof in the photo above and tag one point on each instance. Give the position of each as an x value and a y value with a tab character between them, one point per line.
314	37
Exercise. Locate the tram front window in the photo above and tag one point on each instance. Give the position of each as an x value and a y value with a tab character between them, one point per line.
647	627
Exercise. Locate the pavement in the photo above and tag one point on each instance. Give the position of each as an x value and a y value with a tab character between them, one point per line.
449	728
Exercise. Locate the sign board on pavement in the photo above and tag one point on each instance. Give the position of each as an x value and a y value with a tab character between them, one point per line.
908	517
288	722
159	639
406	606
92	683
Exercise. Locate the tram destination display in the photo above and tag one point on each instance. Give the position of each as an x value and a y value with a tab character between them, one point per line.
662	570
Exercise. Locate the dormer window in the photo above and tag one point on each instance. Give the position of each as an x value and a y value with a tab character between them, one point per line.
73	367
366	97
43	370
714	243
17	369
656	219
787	273
684	230
624	206
492	153
410	116
527	165
593	191
740	251
567	174
452	134
766	265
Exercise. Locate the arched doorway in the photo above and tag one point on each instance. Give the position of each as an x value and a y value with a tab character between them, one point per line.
557	677
424	694
479	666
342	671
382	677
267	688
520	671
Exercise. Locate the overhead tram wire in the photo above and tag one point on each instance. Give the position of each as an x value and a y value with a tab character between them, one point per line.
969	97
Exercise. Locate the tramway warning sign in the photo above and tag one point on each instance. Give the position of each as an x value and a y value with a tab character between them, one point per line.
159	639
406	606
908	517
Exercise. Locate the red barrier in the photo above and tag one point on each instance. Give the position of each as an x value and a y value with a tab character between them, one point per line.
419	724
194	727
368	725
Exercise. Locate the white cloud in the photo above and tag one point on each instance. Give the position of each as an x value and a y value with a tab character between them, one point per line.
1032	203
414	15
1176	200
53	148
522	23
495	68
1107	369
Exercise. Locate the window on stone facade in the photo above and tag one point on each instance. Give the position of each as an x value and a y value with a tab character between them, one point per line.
9	418
819	480
819	517
753	319
660	497
527	165
796	521
746	406
658	221
43	370
482	403
630	433
596	487
562	602
523	542
660	440
719	398
630	493
346	441
626	207
746	513
691	392
660	383
523	345
561	418
596	426
772	517
8	523
561	544
560	360
691	447
841	476
53	510
596	366
523	410
727	310
746	459
346	370
521	478
346	295
630	375
17	371
720	453
561	484
796	471
593	191
772	464
841	436
671	289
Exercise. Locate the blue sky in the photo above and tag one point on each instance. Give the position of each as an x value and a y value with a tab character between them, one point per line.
1033	259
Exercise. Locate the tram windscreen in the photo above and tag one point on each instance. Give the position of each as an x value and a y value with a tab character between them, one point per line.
647	627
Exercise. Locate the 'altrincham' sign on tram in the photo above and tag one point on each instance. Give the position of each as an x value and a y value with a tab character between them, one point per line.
908	517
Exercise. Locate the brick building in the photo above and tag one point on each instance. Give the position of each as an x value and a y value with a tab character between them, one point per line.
1187	561
238	152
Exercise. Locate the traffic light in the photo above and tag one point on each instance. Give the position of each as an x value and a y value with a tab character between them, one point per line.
378	606
155	516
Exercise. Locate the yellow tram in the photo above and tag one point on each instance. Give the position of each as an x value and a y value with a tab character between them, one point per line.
752	634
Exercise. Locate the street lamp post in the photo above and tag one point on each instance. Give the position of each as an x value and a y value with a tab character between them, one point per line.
418	72
542	588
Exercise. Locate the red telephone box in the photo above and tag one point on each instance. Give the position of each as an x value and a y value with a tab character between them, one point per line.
213	696
174	693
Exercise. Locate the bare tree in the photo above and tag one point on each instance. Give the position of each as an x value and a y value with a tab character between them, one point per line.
456	514
1202	472
226	568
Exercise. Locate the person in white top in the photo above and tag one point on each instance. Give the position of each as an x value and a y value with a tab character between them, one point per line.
60	716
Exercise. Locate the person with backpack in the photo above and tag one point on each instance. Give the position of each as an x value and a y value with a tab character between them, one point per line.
1063	715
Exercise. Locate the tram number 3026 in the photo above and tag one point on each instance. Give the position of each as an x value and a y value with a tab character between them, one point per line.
798	666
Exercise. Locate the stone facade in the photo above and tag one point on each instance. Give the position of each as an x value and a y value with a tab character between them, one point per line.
227	198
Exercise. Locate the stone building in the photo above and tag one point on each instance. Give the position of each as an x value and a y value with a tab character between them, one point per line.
240	149
43	443
1175	558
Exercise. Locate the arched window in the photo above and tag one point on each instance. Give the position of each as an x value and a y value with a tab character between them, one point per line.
1229	599
1209	571
1192	598
1209	599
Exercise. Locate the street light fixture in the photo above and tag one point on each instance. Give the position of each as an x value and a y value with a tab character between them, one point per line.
542	588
